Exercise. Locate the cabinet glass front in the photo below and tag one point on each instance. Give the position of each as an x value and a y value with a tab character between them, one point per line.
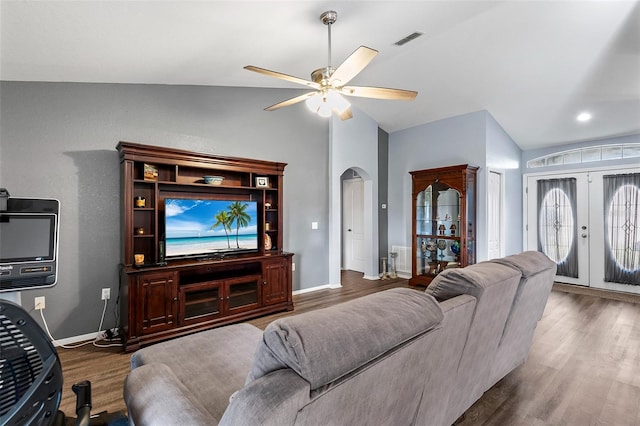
199	303
437	229
243	294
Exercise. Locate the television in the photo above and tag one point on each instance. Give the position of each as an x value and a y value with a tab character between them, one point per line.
29	244
195	227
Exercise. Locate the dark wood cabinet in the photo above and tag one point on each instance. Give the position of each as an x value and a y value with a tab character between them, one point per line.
168	297
275	282
157	299
444	220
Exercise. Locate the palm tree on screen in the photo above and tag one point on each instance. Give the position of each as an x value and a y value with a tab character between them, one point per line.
223	219
240	216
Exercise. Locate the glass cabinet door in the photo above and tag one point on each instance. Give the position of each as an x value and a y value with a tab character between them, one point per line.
243	293
437	229
443	204
200	302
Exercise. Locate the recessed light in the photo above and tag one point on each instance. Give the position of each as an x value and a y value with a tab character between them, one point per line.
583	116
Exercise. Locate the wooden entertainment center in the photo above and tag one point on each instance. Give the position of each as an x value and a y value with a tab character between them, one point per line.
160	297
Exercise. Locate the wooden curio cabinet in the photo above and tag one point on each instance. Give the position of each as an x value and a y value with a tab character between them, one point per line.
444	221
164	296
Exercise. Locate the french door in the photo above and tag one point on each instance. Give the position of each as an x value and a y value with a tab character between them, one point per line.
589	224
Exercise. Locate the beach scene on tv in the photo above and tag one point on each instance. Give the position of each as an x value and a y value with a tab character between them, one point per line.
200	227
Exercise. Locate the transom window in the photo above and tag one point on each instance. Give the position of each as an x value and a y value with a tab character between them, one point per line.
586	155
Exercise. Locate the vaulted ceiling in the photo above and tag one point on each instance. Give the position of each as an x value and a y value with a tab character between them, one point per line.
534	65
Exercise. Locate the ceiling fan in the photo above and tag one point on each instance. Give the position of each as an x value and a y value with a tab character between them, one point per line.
329	83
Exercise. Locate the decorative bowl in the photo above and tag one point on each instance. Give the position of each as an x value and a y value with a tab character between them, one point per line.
213	180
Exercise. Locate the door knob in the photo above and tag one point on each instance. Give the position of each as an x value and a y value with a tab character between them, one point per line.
584	235
584	227
349	230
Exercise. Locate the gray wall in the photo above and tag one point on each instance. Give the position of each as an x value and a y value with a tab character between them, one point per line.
383	192
354	144
504	155
57	140
475	138
455	140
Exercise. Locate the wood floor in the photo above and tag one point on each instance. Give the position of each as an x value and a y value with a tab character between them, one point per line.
583	368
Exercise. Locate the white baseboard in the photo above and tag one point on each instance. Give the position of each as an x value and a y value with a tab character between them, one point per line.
320	287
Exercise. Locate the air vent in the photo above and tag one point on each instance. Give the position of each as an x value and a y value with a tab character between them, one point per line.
408	38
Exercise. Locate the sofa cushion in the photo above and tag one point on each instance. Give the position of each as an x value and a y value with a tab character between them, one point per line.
214	363
326	344
156	396
471	280
529	263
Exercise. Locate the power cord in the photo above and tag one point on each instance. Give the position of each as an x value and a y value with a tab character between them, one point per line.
94	342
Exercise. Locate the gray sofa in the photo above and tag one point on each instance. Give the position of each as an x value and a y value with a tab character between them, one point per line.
398	357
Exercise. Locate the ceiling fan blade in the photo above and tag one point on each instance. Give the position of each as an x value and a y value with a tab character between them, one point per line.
290	101
283	76
346	114
353	65
379	93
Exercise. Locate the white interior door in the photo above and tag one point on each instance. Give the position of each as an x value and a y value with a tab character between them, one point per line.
495	230
595	225
353	247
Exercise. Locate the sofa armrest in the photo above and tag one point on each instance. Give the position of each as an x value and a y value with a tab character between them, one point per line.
155	396
271	400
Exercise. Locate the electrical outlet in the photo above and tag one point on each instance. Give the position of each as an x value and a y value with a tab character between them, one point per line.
39	303
293	266
106	293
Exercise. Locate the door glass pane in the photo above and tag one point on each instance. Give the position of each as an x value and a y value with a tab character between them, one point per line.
557	223
622	228
556	228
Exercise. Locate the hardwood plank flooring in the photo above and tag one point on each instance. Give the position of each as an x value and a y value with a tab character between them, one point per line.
583	368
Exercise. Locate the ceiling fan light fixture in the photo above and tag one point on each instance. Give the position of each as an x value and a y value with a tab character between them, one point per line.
324	104
337	102
314	102
324	110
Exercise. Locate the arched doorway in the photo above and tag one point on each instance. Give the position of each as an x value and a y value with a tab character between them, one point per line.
364	246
